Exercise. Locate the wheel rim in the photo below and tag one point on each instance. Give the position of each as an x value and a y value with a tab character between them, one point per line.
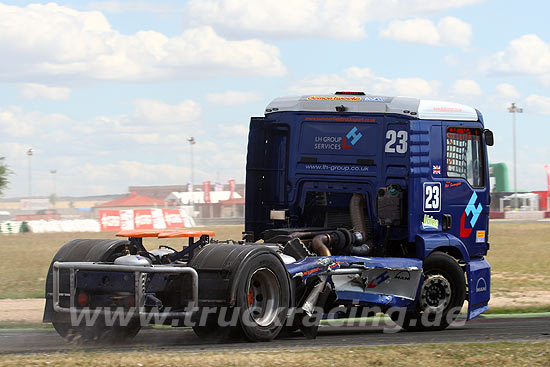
435	294
263	296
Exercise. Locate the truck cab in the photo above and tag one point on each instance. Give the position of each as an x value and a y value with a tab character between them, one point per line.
419	166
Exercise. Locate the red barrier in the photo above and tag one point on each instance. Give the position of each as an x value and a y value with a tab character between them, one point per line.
496	215
117	220
109	220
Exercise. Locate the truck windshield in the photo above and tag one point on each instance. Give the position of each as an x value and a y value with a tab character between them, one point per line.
464	155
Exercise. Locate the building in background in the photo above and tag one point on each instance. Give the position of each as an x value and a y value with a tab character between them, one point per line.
162	191
498	173
133	201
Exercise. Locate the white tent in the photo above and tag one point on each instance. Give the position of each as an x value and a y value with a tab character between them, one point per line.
197	197
526	201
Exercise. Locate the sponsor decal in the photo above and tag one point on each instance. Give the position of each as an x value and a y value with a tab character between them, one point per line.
436	169
452	184
334	98
481	285
339	119
328	143
480	236
447	109
403	275
474	211
354	135
374	99
338	142
324	261
430	222
342	168
379	280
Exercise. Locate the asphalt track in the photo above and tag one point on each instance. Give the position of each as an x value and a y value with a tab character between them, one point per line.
179	339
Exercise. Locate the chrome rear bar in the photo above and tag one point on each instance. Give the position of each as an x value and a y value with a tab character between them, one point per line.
138	271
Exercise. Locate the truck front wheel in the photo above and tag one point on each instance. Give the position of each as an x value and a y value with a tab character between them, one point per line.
441	297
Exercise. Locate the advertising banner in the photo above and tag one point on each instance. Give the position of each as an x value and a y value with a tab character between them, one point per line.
174	218
117	220
206	190
126	219
231	189
109	220
34	204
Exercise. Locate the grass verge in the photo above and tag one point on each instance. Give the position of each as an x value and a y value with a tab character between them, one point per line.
24	275
19	325
486	354
518	257
518	309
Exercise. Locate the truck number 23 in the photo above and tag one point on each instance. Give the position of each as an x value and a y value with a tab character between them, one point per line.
432	196
397	141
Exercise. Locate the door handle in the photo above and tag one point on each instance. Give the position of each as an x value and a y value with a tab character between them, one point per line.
446	222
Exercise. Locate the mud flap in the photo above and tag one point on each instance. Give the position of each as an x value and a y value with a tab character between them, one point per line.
479	290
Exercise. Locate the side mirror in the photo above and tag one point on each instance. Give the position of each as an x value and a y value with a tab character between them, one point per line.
489	139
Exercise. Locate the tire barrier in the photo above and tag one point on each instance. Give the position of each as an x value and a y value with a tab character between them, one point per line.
12	226
75	225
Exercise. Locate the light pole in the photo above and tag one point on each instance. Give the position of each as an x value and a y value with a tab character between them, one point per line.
29	154
192	142
513	109
53	172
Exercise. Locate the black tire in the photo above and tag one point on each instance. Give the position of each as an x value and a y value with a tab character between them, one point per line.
90	250
212	332
98	333
263	297
288	331
441	297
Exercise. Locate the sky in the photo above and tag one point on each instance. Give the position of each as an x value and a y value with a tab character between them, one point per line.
106	93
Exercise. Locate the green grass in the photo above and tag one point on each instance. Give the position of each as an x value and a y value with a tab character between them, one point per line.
518	309
463	354
19	325
519	257
27	257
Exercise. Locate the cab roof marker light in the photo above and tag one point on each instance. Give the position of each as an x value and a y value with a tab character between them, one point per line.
351	93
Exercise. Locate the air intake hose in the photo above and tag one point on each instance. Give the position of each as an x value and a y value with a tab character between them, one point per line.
330	243
357	206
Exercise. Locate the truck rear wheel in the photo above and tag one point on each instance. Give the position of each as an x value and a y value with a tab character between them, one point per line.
98	332
90	250
442	295
210	331
263	297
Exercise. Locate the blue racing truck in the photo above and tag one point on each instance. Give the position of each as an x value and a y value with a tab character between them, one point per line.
355	204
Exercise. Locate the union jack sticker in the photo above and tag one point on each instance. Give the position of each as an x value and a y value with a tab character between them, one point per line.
436	170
